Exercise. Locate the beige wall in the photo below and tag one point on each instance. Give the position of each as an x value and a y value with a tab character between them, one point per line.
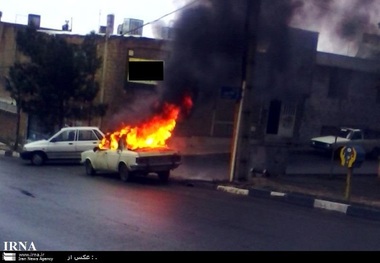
8	56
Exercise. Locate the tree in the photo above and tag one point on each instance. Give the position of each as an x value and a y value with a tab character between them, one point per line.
87	63
19	86
58	83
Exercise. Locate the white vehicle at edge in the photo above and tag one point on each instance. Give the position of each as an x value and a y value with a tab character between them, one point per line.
128	163
66	144
369	140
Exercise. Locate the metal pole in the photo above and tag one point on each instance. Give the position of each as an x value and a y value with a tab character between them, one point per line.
332	157
240	142
236	133
348	184
244	69
104	69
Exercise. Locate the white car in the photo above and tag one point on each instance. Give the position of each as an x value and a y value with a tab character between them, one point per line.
67	144
128	163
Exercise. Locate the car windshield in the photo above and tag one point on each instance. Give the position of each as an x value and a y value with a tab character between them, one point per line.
344	133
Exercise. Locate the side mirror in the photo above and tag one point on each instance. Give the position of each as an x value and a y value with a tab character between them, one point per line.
53	140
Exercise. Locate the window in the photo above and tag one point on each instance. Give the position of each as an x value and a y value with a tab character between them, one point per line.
65	136
274	117
340	80
87	135
356	135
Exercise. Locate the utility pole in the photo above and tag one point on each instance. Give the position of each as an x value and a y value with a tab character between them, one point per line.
240	144
104	69
109	31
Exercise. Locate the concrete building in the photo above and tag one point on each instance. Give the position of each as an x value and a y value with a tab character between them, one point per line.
311	94
115	89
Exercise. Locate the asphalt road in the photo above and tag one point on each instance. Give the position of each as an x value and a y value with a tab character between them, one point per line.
58	207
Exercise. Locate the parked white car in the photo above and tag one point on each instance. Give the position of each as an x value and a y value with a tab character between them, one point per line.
67	144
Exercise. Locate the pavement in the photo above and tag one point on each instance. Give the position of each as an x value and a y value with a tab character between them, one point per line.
310	181
6	151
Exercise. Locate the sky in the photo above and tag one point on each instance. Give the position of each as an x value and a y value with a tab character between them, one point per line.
340	23
88	15
328	17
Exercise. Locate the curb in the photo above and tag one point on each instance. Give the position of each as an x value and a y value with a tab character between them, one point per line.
306	201
9	153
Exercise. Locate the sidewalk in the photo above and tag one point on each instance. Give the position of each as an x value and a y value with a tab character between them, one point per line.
311	180
316	191
6	151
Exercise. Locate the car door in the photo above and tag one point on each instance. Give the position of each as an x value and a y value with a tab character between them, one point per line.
113	158
62	145
87	139
99	160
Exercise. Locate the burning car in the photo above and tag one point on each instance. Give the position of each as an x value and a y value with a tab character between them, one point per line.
138	150
129	163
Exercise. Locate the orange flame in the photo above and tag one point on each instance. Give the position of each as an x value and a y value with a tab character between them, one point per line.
152	133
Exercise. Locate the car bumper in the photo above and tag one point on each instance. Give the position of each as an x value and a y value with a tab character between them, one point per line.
25	155
153	168
321	146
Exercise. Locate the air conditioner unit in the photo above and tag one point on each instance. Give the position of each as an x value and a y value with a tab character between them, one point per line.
131	26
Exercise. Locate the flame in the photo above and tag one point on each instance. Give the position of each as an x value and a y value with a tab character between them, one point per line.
152	133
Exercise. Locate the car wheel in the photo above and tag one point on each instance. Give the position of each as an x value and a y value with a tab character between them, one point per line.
89	169
38	158
124	173
164	176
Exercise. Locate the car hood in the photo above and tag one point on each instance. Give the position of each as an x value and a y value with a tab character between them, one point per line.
330	139
36	143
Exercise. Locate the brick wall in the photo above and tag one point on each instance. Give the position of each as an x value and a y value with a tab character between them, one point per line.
7	126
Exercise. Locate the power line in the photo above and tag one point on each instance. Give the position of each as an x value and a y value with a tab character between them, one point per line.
168	14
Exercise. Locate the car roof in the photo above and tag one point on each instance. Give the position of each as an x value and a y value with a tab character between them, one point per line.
80	128
350	129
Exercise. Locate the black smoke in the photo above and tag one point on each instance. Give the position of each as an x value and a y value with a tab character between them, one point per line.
341	23
209	46
208	49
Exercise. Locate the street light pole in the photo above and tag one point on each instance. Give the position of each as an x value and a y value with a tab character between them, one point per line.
104	69
250	42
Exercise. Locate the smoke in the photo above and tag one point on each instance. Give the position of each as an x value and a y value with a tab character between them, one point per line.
208	47
206	51
341	23
132	111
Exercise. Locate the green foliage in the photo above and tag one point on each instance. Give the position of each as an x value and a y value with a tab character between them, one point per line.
58	83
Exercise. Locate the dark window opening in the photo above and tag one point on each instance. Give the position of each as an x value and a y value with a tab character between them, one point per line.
274	117
146	70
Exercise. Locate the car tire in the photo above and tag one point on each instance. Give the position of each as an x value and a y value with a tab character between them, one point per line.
38	158
124	173
89	168
164	176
